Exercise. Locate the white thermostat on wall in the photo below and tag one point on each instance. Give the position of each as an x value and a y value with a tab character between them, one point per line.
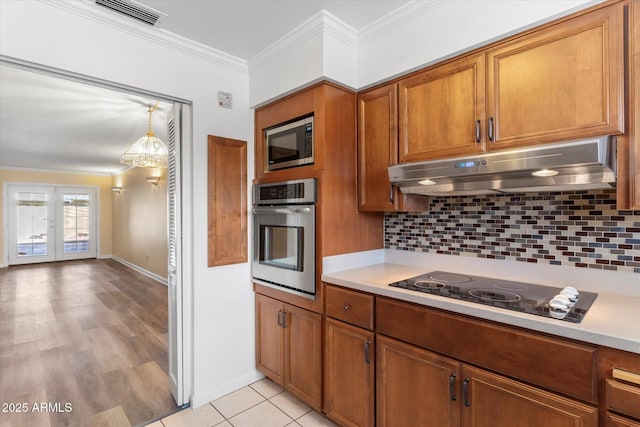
225	100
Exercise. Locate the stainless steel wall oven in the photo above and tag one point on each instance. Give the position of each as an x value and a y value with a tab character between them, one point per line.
284	236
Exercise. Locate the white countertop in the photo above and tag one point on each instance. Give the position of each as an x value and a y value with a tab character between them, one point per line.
612	321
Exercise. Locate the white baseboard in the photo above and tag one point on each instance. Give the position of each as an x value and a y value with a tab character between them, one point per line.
206	397
141	270
107	256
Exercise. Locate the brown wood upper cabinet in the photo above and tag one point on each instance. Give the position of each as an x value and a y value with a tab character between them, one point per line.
563	82
559	83
377	149
442	111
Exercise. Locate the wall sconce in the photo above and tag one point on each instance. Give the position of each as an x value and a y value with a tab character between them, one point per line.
153	180
116	189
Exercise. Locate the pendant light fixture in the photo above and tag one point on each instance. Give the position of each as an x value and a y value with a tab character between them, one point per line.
148	151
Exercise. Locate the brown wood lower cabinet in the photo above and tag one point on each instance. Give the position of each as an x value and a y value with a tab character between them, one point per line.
416	387
614	420
439	369
289	348
490	400
349	374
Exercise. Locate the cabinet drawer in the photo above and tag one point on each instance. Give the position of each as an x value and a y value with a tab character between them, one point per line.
551	363
350	306
623	398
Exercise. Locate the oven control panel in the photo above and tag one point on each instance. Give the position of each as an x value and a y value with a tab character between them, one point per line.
302	191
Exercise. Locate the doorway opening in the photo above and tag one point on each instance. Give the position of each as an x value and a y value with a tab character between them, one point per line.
52	223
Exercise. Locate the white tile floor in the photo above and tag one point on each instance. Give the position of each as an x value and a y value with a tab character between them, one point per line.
261	404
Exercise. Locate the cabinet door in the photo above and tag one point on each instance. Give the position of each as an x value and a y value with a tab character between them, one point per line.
614	420
634	106
415	387
563	82
440	110
303	338
490	400
269	338
349	374
377	147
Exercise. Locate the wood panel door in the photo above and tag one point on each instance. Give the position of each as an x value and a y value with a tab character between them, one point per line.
563	82
441	111
303	355
414	386
227	201
489	400
349	374
377	148
614	420
269	338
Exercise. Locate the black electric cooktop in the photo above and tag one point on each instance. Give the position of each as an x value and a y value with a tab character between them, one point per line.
516	296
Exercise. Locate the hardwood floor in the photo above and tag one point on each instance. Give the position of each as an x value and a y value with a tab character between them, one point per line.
86	339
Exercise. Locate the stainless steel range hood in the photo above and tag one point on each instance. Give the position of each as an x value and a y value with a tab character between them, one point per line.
573	165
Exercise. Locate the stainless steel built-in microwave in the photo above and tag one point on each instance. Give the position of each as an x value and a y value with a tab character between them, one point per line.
290	144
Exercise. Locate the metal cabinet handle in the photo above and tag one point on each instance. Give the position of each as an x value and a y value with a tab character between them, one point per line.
391	194
465	391
284	319
367	356
346	306
478	136
279	317
490	128
452	386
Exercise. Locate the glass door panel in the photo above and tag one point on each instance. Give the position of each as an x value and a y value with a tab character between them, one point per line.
31	223
77	223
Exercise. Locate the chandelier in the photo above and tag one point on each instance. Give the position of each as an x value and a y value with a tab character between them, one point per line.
148	151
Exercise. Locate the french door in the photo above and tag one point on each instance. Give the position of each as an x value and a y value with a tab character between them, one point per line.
51	223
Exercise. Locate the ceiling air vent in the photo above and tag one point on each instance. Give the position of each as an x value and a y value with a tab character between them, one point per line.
133	9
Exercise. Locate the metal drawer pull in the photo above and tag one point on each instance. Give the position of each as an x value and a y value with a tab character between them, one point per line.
452	386
367	357
465	392
490	128
626	376
346	306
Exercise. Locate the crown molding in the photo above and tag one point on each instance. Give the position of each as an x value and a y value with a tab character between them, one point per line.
322	23
57	171
87	9
397	18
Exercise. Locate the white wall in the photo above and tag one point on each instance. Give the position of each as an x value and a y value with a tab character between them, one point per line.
427	31
416	34
322	47
223	314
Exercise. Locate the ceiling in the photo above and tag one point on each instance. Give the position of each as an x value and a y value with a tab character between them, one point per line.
51	123
245	27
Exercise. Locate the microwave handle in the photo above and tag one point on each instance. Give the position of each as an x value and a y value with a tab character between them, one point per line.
283	210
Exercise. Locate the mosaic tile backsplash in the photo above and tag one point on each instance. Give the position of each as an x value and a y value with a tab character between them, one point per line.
581	229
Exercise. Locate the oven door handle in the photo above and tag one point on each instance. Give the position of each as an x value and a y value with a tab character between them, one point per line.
283	210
